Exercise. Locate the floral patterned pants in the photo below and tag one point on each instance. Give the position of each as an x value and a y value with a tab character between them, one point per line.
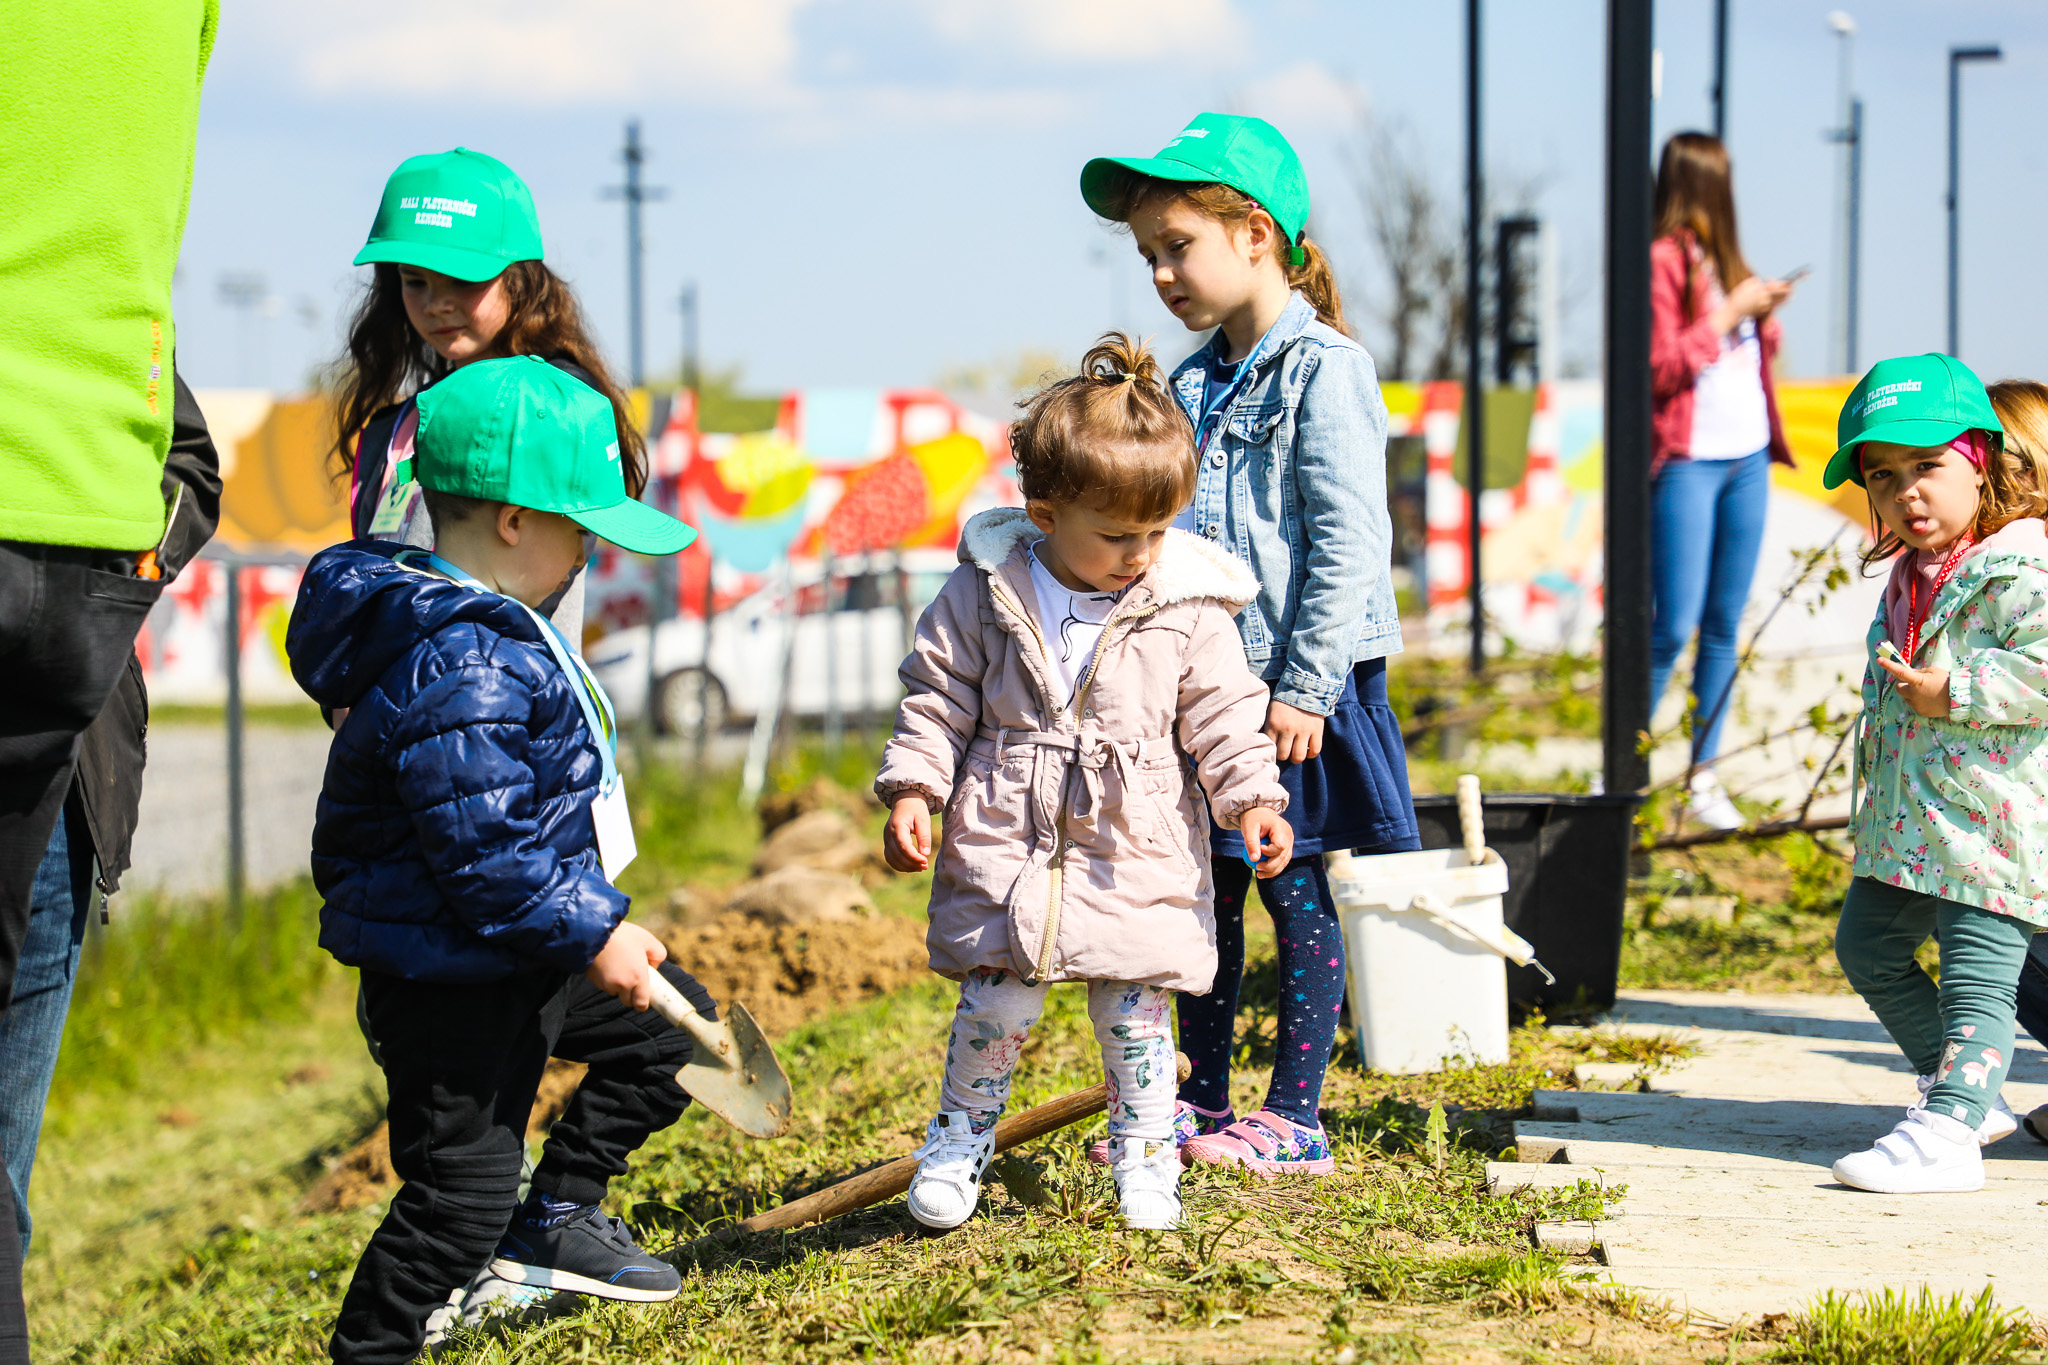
1133	1023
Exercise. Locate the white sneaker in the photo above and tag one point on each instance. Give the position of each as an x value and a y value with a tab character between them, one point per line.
1147	1183
483	1297
1999	1122
1707	803
947	1185
1926	1154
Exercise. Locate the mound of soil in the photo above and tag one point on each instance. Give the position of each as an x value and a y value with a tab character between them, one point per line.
785	974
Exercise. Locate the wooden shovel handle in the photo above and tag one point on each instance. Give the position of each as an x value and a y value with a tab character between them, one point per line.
886	1182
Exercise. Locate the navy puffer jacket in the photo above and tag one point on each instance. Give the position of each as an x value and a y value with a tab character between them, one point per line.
453	840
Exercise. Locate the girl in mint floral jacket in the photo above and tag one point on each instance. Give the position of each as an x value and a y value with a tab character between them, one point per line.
1951	815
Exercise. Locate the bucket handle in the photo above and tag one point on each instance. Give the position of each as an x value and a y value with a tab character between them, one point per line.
1509	945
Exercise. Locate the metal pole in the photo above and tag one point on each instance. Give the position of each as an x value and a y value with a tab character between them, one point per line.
1844	29
835	720
1956	57
635	193
1721	70
1475	377
1625	665
689	374
237	855
704	683
1855	279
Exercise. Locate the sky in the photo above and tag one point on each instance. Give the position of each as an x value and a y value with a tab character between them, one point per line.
882	192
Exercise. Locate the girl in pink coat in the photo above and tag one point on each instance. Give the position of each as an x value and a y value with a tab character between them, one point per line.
1076	670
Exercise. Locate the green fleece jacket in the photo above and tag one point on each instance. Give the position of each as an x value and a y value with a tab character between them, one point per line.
96	147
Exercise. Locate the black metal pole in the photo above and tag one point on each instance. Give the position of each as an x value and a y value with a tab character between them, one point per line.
1625	666
636	333
1721	69
1956	57
237	855
1855	271
1475	377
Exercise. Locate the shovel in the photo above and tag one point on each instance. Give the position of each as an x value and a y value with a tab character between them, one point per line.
733	1071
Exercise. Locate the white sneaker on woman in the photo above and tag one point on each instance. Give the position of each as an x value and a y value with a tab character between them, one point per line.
947	1185
1999	1122
1707	803
1147	1183
1926	1154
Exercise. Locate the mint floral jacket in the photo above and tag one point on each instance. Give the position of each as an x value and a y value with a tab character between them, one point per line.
1958	808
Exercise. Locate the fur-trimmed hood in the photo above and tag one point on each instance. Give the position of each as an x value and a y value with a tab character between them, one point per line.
1189	568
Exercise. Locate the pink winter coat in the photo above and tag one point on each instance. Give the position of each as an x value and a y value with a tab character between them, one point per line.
1679	350
1073	847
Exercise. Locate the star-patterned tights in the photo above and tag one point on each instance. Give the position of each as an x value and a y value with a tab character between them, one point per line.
1311	951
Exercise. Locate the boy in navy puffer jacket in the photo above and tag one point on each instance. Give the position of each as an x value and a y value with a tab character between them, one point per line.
468	825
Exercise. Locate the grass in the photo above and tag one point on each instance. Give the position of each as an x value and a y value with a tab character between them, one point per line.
1787	895
1401	1244
1894	1328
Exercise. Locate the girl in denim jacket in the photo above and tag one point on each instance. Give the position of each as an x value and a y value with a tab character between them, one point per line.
1291	434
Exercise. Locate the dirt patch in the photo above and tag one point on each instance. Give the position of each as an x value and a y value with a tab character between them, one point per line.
785	974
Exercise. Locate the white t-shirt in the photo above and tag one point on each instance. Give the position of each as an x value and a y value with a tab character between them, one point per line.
1729	418
1070	621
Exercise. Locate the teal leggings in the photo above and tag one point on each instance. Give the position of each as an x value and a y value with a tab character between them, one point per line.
1960	1033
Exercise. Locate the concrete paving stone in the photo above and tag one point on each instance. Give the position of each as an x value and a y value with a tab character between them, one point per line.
1724	1202
1615	1076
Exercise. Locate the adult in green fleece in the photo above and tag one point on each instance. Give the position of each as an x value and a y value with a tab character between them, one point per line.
96	153
96	145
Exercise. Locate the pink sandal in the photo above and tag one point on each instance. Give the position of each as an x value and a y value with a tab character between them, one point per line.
1266	1143
1189	1123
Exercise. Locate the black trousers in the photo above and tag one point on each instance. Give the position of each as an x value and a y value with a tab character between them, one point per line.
68	619
462	1064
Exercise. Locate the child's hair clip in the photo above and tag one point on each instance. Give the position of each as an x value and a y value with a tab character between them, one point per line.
1297	255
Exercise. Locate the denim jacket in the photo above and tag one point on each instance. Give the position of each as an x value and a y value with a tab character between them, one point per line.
1293	480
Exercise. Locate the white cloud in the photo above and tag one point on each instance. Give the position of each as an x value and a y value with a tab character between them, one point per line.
1305	98
548	52
1094	30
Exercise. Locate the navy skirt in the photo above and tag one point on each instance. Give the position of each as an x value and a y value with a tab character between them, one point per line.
1354	794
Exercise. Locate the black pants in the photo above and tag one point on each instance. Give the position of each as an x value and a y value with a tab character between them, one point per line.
68	619
462	1064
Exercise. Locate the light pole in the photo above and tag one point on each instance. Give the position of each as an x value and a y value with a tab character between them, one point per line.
1721	70
635	194
1842	133
1475	392
1956	57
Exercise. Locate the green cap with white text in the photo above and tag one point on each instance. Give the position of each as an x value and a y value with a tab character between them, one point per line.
523	431
460	213
1247	154
1909	400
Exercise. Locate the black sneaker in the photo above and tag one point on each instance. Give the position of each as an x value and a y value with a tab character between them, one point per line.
588	1255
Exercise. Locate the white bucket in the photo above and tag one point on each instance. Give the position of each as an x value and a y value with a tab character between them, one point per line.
1425	943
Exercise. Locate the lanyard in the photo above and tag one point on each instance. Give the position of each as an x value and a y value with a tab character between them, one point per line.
597	707
1915	617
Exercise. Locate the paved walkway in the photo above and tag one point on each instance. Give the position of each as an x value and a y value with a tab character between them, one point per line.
1730	1209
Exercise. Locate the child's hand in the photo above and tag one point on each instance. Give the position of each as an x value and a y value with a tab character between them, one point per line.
907	838
621	966
1296	734
1924	689
1268	838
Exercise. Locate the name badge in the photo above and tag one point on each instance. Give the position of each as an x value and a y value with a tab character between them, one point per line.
394	507
615	846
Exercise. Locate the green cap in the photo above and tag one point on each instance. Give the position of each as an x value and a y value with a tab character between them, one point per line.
460	213
521	430
1247	154
1909	400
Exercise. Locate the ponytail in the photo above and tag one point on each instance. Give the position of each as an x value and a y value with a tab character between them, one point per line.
1111	436
1318	284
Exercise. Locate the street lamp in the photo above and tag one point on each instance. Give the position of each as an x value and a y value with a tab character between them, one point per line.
1956	57
1846	133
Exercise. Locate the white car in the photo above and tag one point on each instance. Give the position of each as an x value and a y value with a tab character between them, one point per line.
844	659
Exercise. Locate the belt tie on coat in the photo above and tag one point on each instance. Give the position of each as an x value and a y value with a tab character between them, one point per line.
1093	756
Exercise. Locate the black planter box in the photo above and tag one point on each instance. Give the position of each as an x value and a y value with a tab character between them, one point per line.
1568	862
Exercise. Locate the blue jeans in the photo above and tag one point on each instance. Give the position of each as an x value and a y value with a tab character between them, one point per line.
1706	529
32	1025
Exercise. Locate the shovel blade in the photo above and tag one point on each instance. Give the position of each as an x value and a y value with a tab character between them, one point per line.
744	1084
